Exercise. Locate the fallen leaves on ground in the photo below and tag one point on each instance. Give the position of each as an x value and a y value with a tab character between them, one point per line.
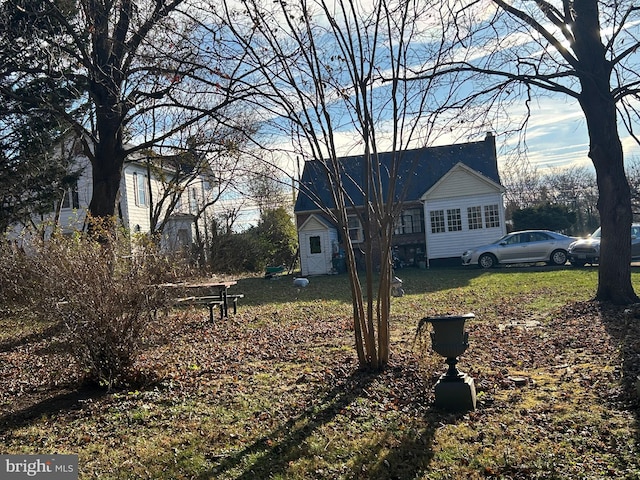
270	393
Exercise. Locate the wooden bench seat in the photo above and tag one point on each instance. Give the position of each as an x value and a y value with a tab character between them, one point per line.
234	299
210	302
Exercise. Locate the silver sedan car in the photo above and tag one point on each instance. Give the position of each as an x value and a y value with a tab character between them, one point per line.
529	246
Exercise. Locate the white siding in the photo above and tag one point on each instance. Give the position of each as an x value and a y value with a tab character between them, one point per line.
135	218
458	183
316	263
461	188
133	215
451	244
72	219
137	215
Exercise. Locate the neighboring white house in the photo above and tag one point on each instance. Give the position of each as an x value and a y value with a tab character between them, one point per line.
141	188
454	201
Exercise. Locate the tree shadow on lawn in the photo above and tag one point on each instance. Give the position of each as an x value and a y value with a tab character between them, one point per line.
31	338
623	324
258	291
387	456
64	401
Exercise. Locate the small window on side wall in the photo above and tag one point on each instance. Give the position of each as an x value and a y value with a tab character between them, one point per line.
437	221
491	216
140	190
355	229
474	217
454	220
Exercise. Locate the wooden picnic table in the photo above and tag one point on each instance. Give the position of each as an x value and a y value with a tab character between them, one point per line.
216	293
219	288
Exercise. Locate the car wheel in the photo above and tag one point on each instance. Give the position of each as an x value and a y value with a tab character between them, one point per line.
558	257
578	263
487	260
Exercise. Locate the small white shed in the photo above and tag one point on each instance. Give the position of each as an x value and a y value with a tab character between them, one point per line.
317	238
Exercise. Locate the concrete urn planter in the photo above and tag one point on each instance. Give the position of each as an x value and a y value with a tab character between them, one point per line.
455	391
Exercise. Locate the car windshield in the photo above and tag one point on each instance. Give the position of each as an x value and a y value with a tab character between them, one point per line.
634	232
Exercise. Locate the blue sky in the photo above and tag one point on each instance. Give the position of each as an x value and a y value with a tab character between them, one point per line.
557	136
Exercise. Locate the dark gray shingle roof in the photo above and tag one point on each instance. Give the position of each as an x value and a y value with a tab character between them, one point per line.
420	169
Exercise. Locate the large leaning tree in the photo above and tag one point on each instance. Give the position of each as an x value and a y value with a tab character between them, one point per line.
586	50
146	73
330	70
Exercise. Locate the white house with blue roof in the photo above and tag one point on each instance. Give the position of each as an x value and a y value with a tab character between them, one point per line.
452	200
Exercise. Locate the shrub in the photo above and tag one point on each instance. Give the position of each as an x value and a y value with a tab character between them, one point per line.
12	259
238	252
544	216
101	294
273	241
278	232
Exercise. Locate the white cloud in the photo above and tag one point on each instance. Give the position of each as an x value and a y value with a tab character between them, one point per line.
556	135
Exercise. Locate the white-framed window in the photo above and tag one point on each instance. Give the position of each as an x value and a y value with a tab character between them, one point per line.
140	189
71	198
410	221
437	221
474	217
491	216
454	220
193	200
356	234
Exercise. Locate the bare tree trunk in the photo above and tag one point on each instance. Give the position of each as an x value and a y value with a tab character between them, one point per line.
322	63
359	317
123	65
614	204
605	150
602	77
107	173
105	89
384	297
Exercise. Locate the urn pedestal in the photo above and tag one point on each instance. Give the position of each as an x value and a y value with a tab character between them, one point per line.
455	391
